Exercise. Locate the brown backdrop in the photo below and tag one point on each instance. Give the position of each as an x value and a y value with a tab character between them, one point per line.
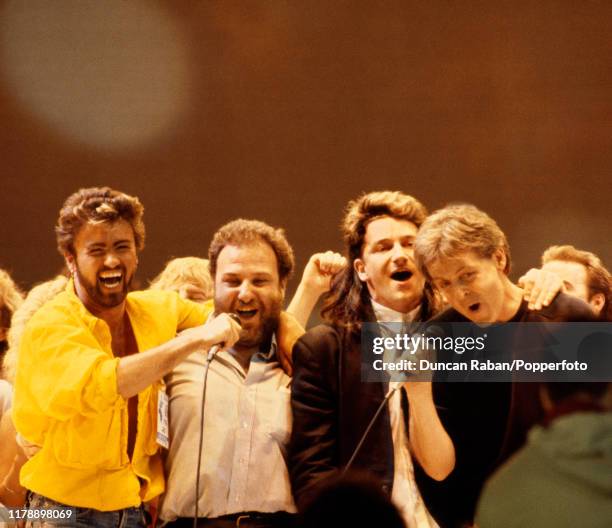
283	111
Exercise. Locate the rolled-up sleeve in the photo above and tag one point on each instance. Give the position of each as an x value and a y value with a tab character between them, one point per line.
62	372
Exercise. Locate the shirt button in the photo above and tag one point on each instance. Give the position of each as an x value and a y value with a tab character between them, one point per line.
244	425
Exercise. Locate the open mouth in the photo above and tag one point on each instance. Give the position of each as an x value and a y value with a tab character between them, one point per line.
110	279
474	307
401	276
247	314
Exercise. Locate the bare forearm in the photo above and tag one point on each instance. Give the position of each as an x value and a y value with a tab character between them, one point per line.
303	302
136	372
430	442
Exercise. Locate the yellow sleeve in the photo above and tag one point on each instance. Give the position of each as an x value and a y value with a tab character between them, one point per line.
193	314
63	371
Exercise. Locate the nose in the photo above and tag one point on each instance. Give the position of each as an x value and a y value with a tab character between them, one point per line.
245	294
111	260
400	254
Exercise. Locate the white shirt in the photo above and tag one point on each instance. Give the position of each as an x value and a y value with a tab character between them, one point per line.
405	493
247	425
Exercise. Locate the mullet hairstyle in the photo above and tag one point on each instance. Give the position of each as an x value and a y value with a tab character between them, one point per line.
243	232
96	205
348	304
599	279
456	229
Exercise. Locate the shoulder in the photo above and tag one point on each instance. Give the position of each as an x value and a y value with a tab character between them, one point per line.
566	308
154	298
165	300
322	341
64	308
323	335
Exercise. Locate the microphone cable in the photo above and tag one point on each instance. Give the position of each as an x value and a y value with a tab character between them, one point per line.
368	428
209	357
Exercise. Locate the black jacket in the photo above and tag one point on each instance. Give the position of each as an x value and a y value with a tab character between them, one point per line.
487	422
331	410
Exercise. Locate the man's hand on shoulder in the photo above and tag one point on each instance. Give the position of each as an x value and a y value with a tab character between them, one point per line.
540	287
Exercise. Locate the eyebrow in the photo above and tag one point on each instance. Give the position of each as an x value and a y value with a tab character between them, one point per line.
258	274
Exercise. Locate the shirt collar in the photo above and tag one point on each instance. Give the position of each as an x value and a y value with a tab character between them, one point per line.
384	314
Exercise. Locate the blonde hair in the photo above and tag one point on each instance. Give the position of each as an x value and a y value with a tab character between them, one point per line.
185	270
10	295
599	279
34	300
455	229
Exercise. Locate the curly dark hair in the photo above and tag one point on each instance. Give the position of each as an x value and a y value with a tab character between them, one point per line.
94	205
241	231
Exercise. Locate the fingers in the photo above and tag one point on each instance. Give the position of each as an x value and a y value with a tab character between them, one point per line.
329	263
224	330
540	287
527	282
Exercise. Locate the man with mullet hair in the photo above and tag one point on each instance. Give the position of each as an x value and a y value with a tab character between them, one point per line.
88	386
332	408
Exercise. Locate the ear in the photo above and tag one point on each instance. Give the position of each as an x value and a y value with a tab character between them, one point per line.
597	302
500	259
359	267
70	262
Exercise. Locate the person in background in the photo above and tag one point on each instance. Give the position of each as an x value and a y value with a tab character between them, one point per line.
583	275
562	477
10	299
188	276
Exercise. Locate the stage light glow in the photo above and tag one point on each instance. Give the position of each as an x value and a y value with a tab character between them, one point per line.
110	74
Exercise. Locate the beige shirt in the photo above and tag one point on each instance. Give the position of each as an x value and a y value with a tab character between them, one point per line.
405	493
247	425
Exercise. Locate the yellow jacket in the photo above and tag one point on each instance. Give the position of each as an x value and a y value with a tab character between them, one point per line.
66	401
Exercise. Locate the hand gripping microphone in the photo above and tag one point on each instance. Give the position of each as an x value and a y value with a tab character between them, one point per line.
218	346
209	357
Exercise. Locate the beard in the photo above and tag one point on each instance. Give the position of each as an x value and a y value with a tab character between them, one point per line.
103	298
261	335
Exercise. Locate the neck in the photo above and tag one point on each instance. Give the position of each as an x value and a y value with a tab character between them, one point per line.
513	296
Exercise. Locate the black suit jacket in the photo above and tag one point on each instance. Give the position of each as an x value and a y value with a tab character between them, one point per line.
331	410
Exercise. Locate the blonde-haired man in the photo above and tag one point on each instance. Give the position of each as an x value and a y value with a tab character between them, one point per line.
465	255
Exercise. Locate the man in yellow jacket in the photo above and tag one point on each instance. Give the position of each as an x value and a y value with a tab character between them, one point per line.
88	386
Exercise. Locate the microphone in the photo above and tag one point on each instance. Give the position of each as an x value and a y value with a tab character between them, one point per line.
218	346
